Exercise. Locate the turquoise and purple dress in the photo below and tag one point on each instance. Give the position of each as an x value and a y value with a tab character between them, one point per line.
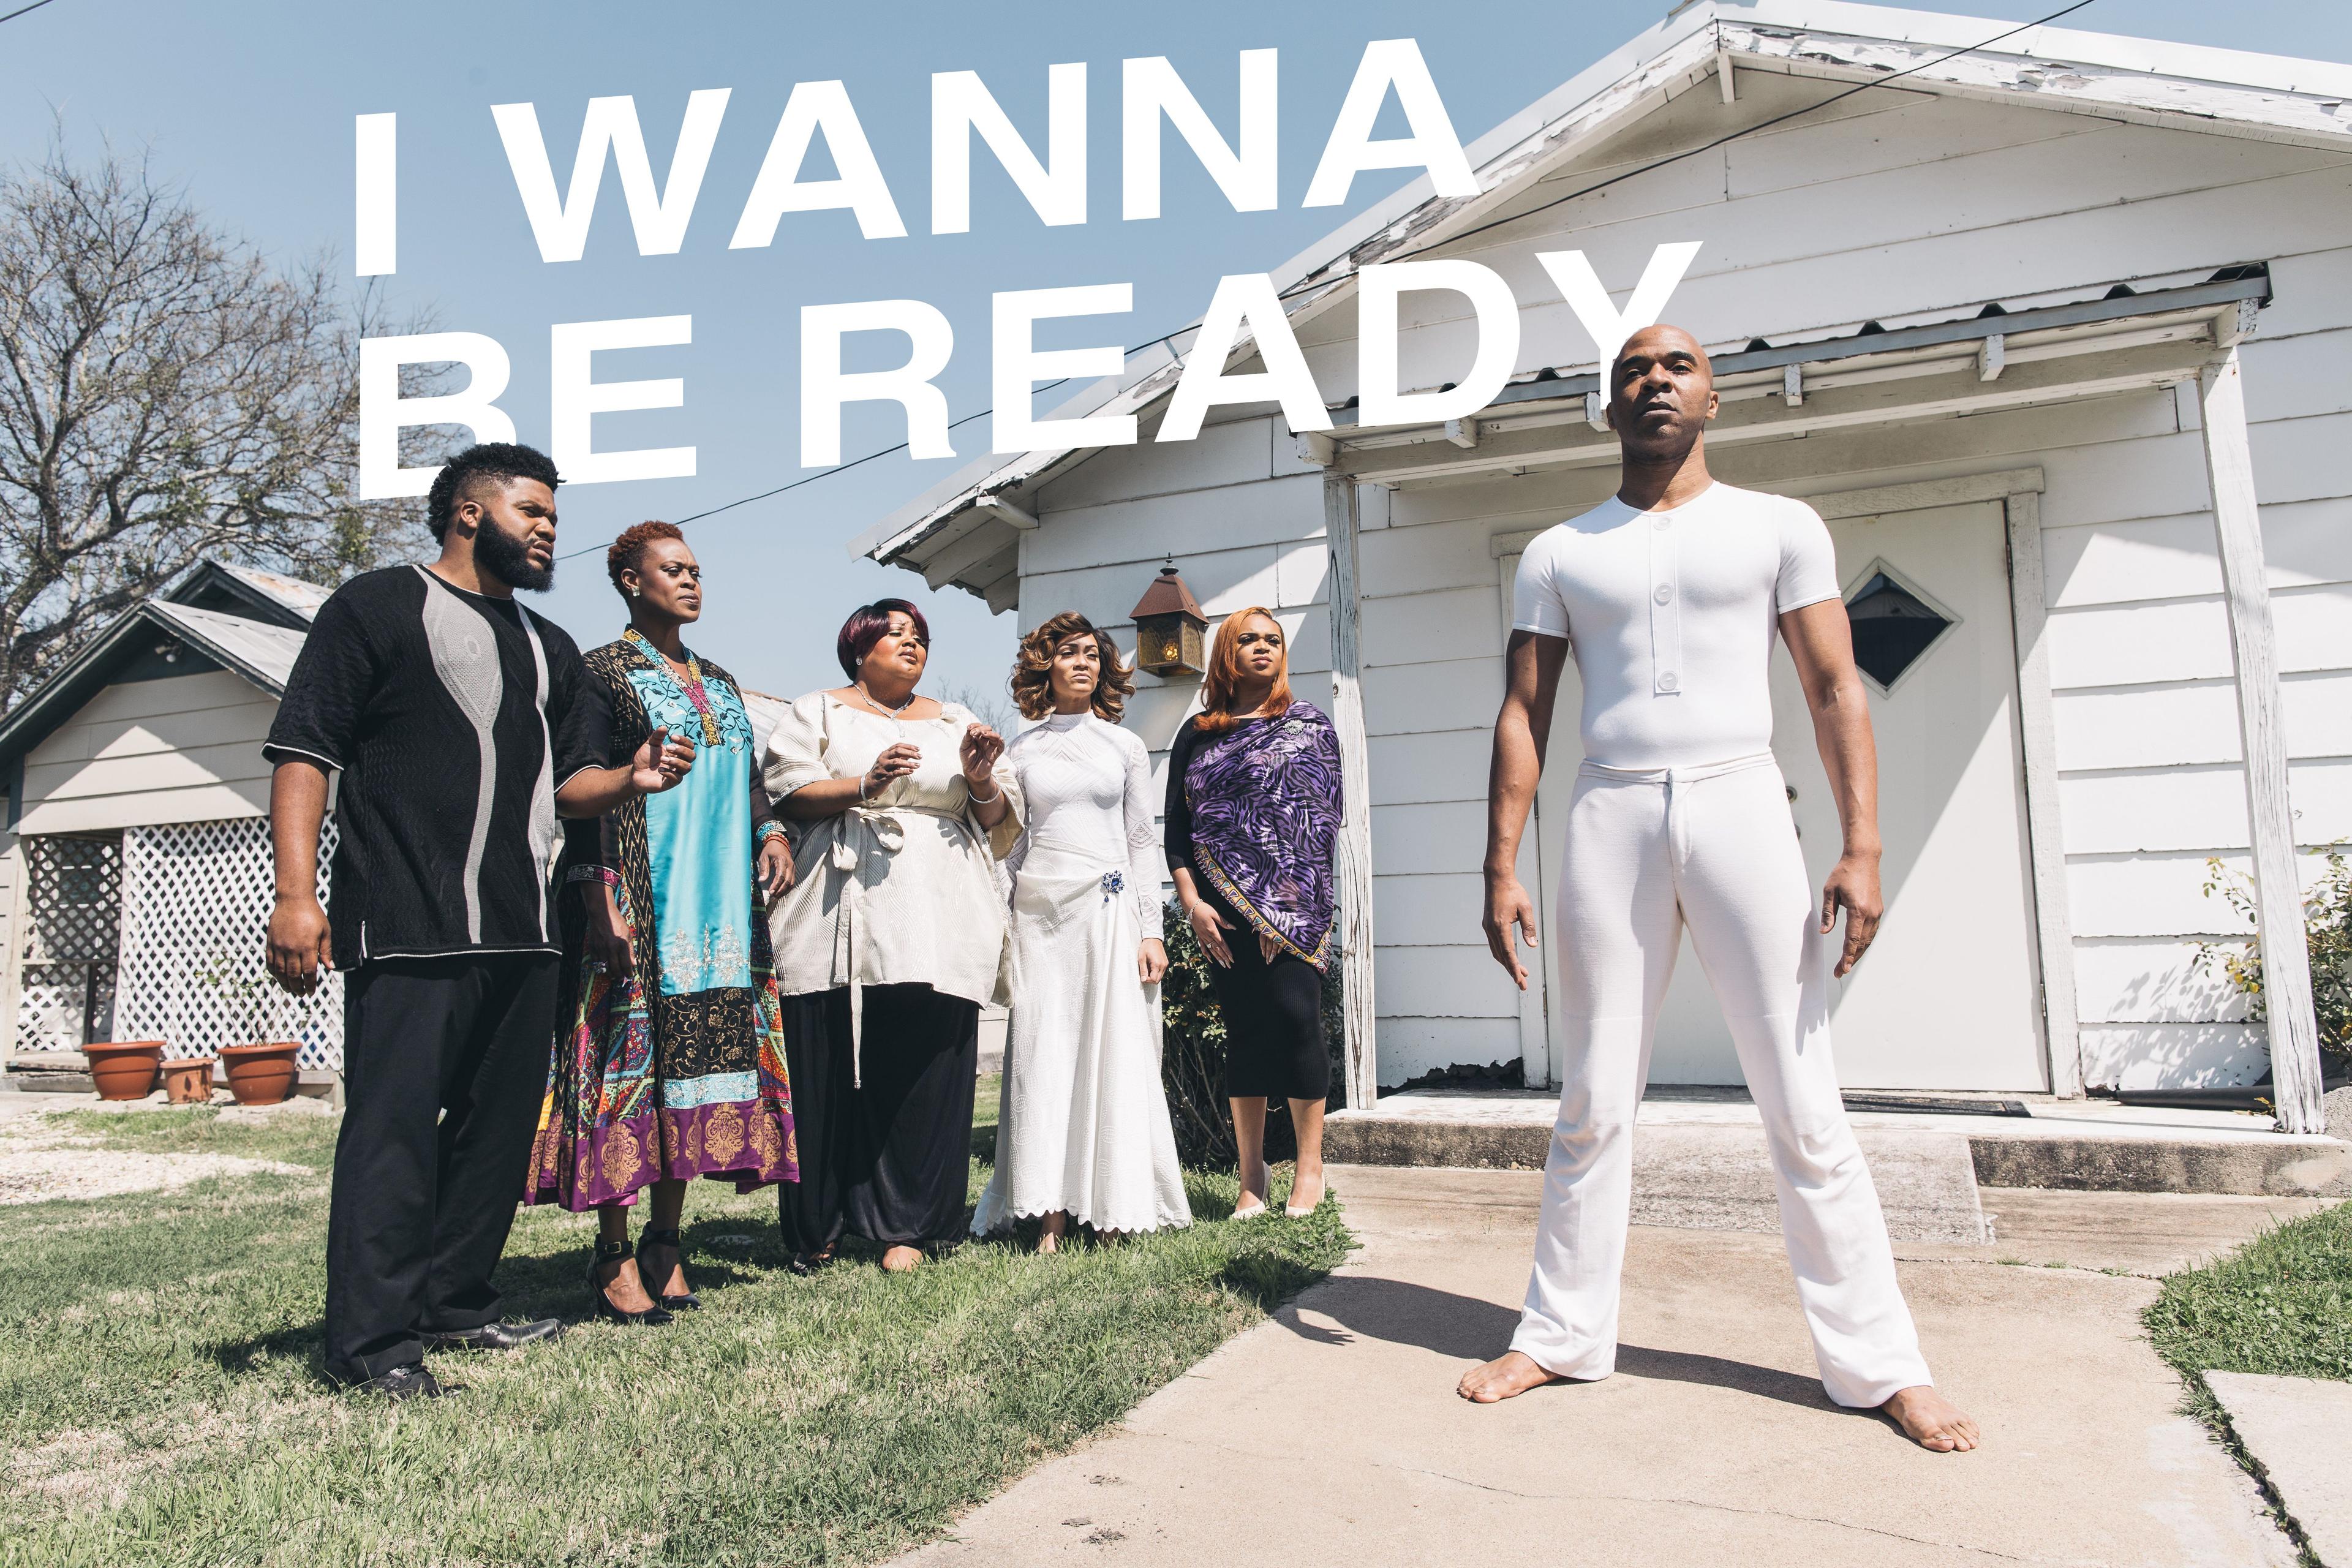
675	1069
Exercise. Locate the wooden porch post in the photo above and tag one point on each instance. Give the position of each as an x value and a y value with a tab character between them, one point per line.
1355	854
2044	830
2278	894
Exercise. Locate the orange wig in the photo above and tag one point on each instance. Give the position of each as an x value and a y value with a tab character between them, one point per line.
1225	677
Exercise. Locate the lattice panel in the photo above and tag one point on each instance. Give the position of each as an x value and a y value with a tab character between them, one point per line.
196	912
73	898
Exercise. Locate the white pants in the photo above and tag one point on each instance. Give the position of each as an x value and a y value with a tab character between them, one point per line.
1714	848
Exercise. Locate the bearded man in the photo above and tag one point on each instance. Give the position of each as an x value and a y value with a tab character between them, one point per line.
461	727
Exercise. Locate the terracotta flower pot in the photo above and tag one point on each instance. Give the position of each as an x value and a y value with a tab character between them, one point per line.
188	1080
125	1070
261	1074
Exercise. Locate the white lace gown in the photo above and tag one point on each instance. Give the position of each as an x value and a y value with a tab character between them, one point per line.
1082	1125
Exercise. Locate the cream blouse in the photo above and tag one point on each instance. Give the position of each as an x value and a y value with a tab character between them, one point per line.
898	891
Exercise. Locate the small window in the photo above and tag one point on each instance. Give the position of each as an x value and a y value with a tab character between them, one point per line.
1895	625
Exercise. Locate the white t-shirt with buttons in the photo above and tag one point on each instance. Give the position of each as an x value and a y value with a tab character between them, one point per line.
1671	615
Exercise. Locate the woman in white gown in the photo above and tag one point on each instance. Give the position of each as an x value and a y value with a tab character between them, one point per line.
1083	1129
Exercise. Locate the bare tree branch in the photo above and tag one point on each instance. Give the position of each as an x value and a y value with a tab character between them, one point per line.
167	395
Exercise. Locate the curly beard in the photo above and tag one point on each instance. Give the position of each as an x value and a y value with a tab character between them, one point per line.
508	558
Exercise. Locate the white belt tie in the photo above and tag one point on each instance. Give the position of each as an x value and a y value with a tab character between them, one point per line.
867	833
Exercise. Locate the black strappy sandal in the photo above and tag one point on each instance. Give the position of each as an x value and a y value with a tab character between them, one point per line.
686	1300
614	1252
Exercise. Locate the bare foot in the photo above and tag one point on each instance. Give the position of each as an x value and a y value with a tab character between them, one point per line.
1048	1242
1932	1421
622	1287
1508	1375
902	1261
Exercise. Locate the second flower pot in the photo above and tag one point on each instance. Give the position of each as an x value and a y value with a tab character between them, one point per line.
188	1080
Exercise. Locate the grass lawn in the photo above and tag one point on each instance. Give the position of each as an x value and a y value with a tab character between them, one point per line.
2280	1304
161	1402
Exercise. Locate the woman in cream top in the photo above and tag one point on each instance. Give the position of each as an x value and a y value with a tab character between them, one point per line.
889	943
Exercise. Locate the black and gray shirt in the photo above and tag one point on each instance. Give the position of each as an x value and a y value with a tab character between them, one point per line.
454	718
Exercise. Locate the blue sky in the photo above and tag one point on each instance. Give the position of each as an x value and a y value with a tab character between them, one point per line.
249	108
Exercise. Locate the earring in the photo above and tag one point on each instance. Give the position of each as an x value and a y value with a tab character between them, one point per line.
636	592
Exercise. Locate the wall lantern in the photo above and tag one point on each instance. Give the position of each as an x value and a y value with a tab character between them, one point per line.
1169	628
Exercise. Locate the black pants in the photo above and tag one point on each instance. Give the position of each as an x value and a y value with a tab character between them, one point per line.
444	1062
1274	1045
887	1159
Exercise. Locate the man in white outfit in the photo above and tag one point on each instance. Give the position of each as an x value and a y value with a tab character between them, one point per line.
1668	596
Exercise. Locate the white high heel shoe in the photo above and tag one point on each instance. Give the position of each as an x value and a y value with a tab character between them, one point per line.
1293	1211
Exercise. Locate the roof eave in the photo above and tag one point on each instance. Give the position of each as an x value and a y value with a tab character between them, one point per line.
50	705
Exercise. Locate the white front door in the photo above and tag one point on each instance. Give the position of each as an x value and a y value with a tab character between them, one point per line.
1948	997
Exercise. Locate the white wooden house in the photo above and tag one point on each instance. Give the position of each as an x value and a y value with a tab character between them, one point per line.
134	866
2012	322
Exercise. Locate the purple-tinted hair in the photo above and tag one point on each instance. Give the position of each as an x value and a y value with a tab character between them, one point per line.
865	627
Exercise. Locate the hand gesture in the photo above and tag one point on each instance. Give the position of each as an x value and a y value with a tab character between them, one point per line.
981	747
1268	944
301	945
1151	962
660	763
1210	928
898	760
774	868
605	940
1507	905
1854	886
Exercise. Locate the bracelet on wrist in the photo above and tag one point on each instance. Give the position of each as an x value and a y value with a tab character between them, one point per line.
988	800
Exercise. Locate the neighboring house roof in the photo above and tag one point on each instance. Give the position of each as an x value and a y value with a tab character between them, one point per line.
157	637
249	590
2218	92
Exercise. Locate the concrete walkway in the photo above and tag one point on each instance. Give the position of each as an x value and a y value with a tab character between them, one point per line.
1333	1433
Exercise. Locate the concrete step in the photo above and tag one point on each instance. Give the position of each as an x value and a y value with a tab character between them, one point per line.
2077	1145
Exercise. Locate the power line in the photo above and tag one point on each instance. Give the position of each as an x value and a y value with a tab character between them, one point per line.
1167	338
20	10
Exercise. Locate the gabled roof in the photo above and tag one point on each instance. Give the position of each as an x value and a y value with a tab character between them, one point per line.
154	630
249	590
2183	86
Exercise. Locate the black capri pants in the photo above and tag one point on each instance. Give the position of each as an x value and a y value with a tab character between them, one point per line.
1274	1046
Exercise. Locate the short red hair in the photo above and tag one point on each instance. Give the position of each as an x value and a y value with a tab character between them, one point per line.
628	552
1224	678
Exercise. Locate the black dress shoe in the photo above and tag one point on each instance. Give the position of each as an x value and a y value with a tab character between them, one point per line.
405	1382
685	1300
495	1336
601	1305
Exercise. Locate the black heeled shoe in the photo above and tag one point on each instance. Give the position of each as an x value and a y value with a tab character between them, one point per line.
685	1300
614	1252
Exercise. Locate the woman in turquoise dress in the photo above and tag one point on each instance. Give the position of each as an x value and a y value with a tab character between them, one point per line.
670	1064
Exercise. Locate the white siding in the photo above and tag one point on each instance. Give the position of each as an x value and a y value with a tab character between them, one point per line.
184	748
1895	207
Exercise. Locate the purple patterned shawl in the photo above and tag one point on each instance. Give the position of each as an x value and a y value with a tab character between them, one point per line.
1265	819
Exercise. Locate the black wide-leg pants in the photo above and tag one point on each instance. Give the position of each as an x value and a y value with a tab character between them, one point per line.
889	1158
1275	1044
444	1064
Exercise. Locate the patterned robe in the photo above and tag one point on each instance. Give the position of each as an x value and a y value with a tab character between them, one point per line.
652	1080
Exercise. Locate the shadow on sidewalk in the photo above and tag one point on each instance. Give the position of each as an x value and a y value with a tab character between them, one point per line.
1469	1329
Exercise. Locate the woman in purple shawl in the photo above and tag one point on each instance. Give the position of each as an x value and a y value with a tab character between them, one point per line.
1252	815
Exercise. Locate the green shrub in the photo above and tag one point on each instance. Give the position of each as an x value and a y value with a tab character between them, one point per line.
1192	1059
2327	929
